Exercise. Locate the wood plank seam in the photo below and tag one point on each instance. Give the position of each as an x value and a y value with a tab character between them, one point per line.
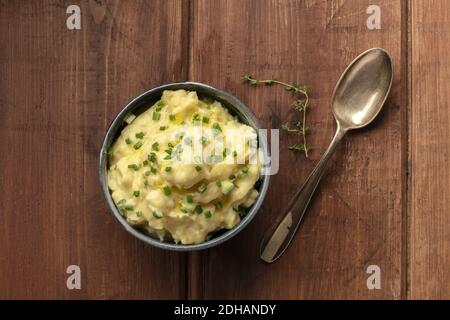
406	156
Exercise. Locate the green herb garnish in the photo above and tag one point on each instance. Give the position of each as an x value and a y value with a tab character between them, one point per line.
152	157
128	141
198	168
134	166
208	214
300	105
140	135
198	208
136	193
168	169
189	198
188	141
137	145
202	188
157	214
156	116
217	127
167	190
110	153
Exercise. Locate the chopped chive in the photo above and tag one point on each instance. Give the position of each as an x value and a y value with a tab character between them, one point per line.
218	205
140	135
208	214
224	153
203	140
167	190
168	151
240	210
134	166
245	170
152	157
168	157
235	153
205	120
170	145
155	146
136	193
145	163
157	214
110	153
188	141
137	145
189	198
208	236
198	168
217	127
156	116
196	118
198	209
153	170
172	117
218	183
121	202
168	169
139	214
128	141
202	188
160	103
232	177
129	208
162	128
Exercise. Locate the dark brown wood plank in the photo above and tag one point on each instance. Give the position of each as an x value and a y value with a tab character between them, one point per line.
429	256
355	219
59	90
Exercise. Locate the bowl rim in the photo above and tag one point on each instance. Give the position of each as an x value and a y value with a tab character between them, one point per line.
111	132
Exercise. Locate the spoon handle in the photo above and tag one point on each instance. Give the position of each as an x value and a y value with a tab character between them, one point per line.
279	236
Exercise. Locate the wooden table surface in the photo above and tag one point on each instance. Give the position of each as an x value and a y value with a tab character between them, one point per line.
384	200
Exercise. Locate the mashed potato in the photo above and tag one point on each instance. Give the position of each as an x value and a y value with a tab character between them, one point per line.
184	169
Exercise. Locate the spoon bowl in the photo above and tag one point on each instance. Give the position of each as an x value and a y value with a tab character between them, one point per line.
361	91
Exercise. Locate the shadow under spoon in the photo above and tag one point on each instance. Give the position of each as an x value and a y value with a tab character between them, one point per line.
357	99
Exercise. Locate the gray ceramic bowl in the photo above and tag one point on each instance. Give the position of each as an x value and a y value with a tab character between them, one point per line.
142	103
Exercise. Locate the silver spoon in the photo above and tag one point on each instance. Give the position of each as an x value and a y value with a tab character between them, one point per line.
357	99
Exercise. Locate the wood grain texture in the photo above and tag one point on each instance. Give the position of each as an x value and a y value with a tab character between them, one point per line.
355	219
430	150
59	90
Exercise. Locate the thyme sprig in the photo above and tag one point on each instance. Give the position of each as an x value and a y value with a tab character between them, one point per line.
301	105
